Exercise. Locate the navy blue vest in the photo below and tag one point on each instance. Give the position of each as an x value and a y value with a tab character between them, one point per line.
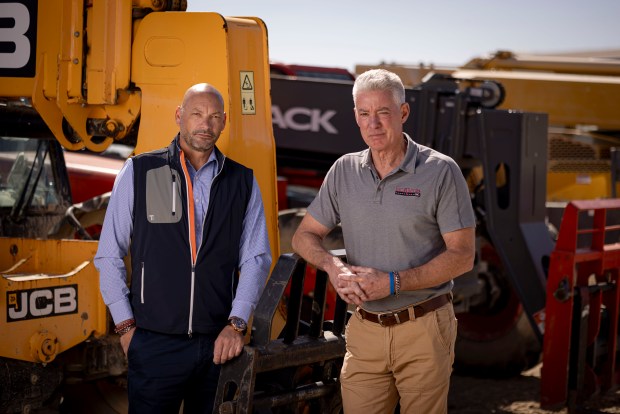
162	292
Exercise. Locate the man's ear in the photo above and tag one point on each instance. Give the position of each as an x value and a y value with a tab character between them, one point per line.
177	115
405	110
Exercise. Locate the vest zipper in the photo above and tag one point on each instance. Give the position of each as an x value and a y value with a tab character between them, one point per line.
191	302
191	237
174	194
142	283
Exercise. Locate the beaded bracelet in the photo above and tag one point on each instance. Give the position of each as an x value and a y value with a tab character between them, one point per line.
396	283
125	326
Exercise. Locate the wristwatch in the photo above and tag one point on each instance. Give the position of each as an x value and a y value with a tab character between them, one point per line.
238	324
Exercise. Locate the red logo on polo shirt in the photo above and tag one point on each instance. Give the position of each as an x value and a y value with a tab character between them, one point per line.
408	192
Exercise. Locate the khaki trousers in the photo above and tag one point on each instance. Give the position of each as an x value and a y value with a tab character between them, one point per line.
410	362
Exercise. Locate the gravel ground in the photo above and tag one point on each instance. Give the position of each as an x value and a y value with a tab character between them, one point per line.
469	395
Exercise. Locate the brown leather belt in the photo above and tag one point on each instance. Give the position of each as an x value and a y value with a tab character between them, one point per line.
394	318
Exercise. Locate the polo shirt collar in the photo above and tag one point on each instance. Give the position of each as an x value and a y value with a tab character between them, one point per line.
408	163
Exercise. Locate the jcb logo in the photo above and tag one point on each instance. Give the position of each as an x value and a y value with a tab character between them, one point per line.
18	38
39	303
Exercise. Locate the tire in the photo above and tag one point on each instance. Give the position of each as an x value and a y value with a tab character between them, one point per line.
504	356
498	340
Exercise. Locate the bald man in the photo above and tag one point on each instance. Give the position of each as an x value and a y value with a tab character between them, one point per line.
194	225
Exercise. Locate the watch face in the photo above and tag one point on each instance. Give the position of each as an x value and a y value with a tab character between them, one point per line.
238	324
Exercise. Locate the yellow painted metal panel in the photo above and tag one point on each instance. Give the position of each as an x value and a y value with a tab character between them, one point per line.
578	186
71	56
569	99
109	53
50	296
250	138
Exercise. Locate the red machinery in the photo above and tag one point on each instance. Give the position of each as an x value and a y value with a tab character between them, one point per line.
580	349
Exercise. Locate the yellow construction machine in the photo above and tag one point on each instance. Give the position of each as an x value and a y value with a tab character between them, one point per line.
79	75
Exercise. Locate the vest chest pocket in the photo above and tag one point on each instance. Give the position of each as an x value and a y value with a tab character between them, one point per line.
163	196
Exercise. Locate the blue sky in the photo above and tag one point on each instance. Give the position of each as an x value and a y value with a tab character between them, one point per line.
442	32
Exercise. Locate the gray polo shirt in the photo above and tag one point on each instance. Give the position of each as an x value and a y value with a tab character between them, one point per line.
397	222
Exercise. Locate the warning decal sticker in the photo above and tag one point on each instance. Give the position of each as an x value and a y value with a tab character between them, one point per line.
248	101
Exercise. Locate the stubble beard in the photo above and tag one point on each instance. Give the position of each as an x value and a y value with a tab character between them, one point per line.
198	144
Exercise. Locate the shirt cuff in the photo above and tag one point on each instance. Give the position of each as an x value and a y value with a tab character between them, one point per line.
242	310
121	311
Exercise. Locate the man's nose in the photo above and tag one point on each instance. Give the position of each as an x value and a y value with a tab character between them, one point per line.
374	120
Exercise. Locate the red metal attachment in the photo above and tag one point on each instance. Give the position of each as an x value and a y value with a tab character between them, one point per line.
580	347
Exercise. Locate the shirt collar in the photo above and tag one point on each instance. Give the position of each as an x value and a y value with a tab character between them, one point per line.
408	163
215	156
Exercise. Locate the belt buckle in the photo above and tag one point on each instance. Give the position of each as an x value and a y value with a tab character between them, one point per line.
386	315
379	315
